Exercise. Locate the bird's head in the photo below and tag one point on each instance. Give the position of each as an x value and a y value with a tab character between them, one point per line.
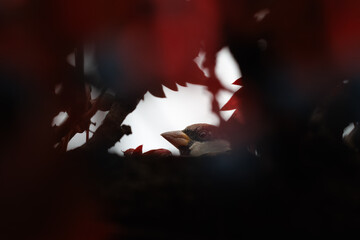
198	139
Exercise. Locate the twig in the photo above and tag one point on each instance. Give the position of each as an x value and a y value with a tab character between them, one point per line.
111	130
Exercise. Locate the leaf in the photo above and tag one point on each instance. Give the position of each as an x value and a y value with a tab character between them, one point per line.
158	153
138	150
134	152
171	85
238	82
157	91
182	83
129	152
233	103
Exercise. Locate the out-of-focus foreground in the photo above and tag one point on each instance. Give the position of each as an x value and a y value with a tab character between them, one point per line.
293	168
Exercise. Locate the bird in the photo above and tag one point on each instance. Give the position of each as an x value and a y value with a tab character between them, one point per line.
198	140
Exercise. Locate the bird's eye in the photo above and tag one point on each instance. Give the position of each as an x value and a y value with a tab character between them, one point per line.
203	134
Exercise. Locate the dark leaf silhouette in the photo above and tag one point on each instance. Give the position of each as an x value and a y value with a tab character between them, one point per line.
134	152
157	92
138	152
294	159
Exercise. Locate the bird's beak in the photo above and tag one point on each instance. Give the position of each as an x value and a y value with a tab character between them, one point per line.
177	138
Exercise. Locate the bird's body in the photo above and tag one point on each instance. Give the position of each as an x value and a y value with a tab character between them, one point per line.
209	147
198	139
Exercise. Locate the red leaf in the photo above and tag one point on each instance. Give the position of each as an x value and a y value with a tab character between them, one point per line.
233	103
129	152
182	83
158	91
138	150
171	85
134	152
238	82
158	153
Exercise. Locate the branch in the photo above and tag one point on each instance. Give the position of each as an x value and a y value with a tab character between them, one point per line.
111	131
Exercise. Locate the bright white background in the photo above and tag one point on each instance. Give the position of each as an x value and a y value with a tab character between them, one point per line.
188	105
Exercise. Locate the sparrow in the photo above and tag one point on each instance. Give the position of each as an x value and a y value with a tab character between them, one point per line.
198	139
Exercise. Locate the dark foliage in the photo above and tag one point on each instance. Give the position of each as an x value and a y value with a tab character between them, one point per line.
291	171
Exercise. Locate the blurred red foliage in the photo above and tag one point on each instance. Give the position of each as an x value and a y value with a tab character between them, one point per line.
290	57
